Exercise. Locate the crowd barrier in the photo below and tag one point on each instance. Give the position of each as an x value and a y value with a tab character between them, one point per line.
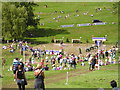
86	24
67	25
55	52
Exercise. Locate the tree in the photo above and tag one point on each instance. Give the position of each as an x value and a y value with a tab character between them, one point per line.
115	7
28	5
16	17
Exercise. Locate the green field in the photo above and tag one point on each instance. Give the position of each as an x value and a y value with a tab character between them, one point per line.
51	29
81	77
97	79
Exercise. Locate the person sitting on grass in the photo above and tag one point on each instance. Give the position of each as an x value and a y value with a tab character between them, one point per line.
114	61
58	68
11	50
4	47
119	59
83	64
30	67
54	67
46	68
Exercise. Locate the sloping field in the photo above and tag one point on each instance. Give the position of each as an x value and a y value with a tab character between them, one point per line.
49	28
51	18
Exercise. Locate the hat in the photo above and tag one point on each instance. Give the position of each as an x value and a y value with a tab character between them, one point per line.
39	66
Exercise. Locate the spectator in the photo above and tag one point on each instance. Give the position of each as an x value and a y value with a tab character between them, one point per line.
74	63
83	64
70	61
58	68
106	61
39	81
4	47
11	50
110	59
58	58
30	67
20	77
47	59
106	54
54	67
46	68
97	66
68	64
61	67
42	63
101	63
65	61
15	67
93	63
61	61
114	61
113	84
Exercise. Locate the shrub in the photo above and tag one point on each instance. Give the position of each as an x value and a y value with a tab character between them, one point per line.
67	40
52	41
87	41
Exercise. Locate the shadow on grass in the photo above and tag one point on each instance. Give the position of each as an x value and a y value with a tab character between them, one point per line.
43	32
33	41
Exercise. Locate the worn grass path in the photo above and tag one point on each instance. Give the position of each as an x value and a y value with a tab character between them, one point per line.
61	77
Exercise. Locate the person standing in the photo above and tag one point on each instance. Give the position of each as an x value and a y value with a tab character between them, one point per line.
20	77
39	78
89	62
93	63
106	54
3	63
74	62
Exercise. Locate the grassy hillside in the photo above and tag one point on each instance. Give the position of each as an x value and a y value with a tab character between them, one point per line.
51	28
81	77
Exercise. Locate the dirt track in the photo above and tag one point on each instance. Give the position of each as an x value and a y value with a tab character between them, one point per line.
70	48
63	75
